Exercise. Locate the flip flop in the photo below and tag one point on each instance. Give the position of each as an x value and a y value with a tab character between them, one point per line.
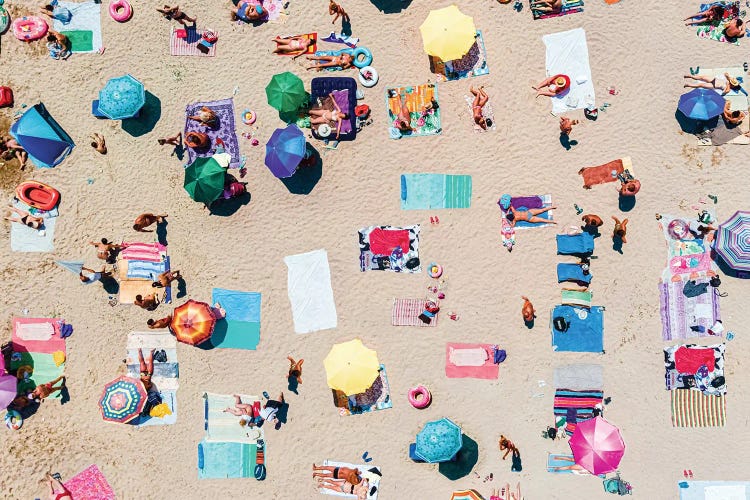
265	395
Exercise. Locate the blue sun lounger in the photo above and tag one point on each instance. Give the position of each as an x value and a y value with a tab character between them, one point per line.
572	272
575	244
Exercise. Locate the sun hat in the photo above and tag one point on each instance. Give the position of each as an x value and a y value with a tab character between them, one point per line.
733	81
560	81
324	130
504	201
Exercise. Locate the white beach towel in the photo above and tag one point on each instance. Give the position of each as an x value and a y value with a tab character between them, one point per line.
365	473
476	356
86	16
309	284
25	239
35	331
568	54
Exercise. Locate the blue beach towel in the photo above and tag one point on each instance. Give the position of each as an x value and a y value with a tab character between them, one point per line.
432	191
584	332
226	460
241	327
700	490
575	244
145	270
572	272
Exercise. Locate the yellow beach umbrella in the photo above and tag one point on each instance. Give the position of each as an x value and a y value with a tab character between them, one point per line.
448	33
351	367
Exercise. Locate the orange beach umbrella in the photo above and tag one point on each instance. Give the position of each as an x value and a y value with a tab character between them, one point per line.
193	322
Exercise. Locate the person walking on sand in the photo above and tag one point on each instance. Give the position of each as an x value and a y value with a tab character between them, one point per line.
174	13
514	215
337	11
165	278
149	302
566	125
160	323
480	99
145	220
97	142
620	230
507	446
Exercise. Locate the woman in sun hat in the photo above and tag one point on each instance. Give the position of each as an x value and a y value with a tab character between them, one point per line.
552	86
724	82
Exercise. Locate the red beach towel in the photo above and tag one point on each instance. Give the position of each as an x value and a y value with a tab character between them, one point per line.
382	241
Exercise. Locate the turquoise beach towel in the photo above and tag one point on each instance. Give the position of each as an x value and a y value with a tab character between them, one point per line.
432	191
226	460
241	327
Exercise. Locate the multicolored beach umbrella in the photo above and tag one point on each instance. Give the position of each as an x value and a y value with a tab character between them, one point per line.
122	97
351	367
448	33
285	150
122	400
286	92
466	495
733	241
193	322
701	104
597	446
439	441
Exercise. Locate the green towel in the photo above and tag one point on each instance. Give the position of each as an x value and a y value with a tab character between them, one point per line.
80	41
45	371
576	298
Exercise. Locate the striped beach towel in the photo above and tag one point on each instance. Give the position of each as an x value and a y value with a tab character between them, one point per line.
143	251
189	46
695	409
576	406
406	312
146	270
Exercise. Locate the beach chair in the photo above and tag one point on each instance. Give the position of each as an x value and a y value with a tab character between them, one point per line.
575	244
321	88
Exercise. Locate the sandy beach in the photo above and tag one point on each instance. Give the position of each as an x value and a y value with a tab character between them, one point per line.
643	55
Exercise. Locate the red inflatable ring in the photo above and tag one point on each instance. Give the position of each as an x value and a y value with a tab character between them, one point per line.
420	397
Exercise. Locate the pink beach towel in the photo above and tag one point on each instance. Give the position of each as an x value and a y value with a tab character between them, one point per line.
90	484
488	370
189	46
31	327
406	312
150	252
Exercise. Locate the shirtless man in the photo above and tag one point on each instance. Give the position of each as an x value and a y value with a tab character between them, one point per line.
97	142
620	230
145	220
735	29
528	215
149	302
105	249
165	278
566	125
480	99
352	476
554	6
159	323
43	391
344	61
732	117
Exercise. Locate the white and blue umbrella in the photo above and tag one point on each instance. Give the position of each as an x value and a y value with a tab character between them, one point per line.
733	241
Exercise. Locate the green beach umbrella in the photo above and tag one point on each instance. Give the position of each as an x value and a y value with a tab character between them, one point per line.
204	179
286	92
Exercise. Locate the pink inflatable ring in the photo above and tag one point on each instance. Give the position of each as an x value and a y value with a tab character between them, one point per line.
120	10
420	397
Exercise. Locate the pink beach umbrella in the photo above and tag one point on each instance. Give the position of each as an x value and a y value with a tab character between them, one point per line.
597	446
8	391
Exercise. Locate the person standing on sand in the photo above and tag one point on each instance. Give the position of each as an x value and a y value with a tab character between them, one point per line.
105	250
337	11
566	125
145	220
620	230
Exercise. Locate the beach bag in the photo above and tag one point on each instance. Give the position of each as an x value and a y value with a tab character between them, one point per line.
260	472
560	324
6	97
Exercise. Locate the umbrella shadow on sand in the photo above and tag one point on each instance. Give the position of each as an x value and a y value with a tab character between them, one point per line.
146	120
306	177
466	458
693	126
391	6
225	208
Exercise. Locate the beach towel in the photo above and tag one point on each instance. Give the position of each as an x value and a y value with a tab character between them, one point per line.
416	96
695	409
44	370
715	31
563	460
130	288
470	361
226	460
225	129
681	363
714	490
240	329
474	63
90	484
348	40
188	46
275	8
572	272
605	173
433	191
737	98
574	244
389	248
377	397
685	317
84	29
320	90
568	54
310	49
727	135
585	329
568	7
689	257
369	472
166	374
576	406
151	252
147	270
579	376
576	298
26	239
224	427
34	342
405	312
528	203
310	292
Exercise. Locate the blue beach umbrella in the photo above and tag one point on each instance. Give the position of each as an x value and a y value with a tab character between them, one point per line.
122	97
701	104
439	441
284	151
733	241
42	137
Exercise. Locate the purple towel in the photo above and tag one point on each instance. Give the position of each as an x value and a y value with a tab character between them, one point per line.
526	202
225	129
342	99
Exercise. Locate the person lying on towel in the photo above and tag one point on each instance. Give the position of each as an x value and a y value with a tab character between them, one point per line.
551	6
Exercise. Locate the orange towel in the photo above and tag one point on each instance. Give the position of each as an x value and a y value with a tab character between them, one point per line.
603	173
310	49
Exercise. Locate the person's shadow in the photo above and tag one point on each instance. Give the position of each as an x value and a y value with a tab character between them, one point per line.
529	324
161	231
181	288
292	384
346	27
566	142
617	244
626	203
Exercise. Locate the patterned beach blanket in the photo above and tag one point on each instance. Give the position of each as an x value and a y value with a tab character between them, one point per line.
474	63
695	409
389	248
225	128
715	31
416	98
576	406
683	364
679	312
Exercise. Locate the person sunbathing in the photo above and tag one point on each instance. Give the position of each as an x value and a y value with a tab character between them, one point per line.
174	13
247	12
330	472
551	86
165	278
480	100
573	467
9	148
244	411
91	276
734	29
206	116
515	215
715	13
551	6
724	82
149	302
145	220
337	11
325	116
57	490
732	118
25	218
43	391
147	369
403	120
58	45
197	140
58	12
359	490
343	60
292	44
620	230
97	142
105	249
160	323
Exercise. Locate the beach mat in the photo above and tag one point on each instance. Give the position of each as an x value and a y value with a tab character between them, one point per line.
379	249
487	112
310	292
527	203
240	329
130	288
568	54
576	406
686	258
310	49
715	31
189	46
225	130
342	100
150	252
166	374
226	460
695	409
604	173
723	134
84	30
405	312
574	244
579	376
417	96
682	361
470	361
344	90
44	370
90	484
558	460
585	332
567	271
568	7
40	335
26	239
434	191
369	472
714	490
679	312
224	427
576	298
377	397
474	63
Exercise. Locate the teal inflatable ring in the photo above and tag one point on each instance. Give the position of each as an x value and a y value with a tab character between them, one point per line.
366	59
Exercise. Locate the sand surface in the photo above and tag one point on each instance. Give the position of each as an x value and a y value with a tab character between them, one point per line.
645	55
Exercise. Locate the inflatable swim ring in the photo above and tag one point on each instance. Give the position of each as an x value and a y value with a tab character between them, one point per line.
435	270
13	420
38	195
373	76
420	397
4	20
120	10
248	117
678	229
366	57
28	28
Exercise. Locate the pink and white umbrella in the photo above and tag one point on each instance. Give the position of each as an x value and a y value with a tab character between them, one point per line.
597	446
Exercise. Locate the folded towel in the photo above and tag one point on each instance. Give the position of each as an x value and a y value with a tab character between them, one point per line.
468	357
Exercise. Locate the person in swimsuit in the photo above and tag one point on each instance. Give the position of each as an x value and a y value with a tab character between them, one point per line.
566	125
551	6
295	369
145	220
57	490
248	13
714	13
735	29
106	250
574	467
176	14
359	490
480	99
403	120
549	87
620	230
507	446
25	218
197	140
58	12
9	148
43	391
58	45
175	140
291	45
732	118
160	323
321	116
92	276
337	11
344	61
147	369
149	302
352	476
206	116
529	216
724	82
165	278
244	411
97	142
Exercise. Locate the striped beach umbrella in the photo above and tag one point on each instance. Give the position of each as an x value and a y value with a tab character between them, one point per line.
733	241
193	322
122	400
466	495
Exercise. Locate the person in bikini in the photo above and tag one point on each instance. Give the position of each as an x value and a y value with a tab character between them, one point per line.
549	87
175	13
206	116
43	391
714	13
573	467
57	490
620	230
403	120
244	411
551	6
507	446
352	476
337	11
480	99
165	278
9	148
97	142
25	218
247	12
530	215
147	369
159	323
295	369
292	44
145	220
725	83
359	490
321	116
105	250
343	60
